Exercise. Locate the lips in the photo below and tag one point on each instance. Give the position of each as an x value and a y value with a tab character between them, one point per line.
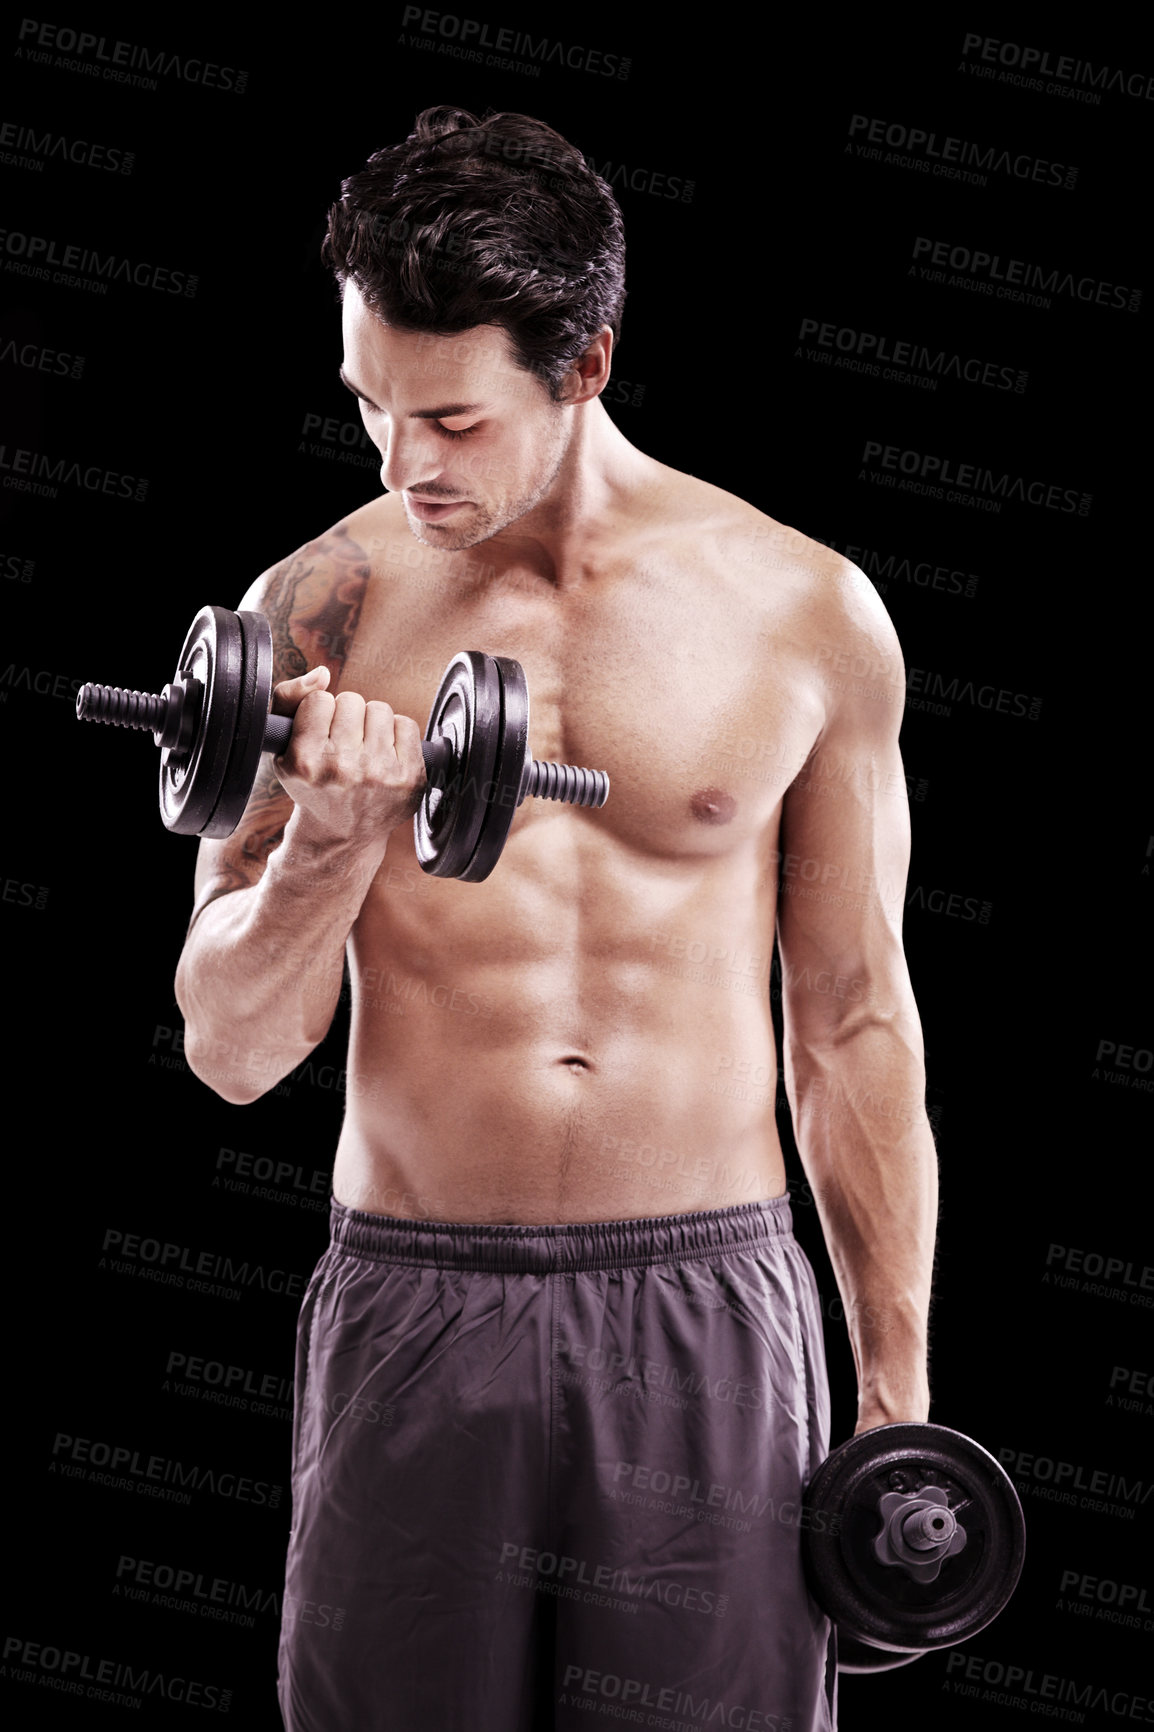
430	510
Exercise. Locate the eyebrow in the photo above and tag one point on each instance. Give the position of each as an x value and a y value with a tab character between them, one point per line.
414	414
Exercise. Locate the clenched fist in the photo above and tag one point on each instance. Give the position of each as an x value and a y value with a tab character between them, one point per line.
354	767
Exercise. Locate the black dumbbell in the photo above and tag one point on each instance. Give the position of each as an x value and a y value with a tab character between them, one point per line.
914	1540
213	722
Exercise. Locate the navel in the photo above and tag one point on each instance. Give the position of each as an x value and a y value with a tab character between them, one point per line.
713	806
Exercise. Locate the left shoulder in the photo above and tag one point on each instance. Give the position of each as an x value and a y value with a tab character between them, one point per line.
832	593
825	605
835	619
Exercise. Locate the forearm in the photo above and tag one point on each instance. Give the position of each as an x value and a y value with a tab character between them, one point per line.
260	975
859	1116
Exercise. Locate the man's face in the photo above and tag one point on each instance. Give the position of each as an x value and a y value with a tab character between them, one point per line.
470	441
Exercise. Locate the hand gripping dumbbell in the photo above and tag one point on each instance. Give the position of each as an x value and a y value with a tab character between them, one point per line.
212	723
914	1540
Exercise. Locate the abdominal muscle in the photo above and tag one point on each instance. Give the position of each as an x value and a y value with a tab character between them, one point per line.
574	1040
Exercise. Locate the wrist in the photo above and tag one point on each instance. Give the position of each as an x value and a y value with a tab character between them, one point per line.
310	848
894	1396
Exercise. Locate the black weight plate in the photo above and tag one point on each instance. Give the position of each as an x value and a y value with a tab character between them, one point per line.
858	1657
467	711
255	699
190	781
880	1603
508	772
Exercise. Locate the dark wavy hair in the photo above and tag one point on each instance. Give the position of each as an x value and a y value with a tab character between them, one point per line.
485	222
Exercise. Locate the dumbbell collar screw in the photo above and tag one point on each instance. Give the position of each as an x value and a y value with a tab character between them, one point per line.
907	1536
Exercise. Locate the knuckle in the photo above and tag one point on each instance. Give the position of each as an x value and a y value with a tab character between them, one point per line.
301	764
317	706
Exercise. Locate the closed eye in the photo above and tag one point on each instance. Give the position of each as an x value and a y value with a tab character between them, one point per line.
445	432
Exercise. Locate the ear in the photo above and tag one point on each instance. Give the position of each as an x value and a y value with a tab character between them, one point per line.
589	373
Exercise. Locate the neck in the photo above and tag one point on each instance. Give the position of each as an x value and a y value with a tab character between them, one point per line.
598	472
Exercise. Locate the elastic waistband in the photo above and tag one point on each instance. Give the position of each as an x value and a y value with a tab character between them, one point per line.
583	1245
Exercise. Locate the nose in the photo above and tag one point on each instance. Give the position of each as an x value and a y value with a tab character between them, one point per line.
410	458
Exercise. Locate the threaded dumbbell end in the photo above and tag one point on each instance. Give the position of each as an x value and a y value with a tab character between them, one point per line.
566	782
929	1529
123	709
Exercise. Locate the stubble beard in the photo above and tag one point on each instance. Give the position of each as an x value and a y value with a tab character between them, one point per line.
487	520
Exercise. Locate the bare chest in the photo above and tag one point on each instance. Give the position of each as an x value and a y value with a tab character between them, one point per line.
701	714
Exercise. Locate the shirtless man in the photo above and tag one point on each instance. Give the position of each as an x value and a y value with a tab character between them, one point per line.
560	1377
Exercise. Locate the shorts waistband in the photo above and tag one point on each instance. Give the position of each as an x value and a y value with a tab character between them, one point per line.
547	1249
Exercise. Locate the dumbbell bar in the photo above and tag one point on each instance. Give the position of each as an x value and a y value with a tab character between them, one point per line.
914	1541
213	722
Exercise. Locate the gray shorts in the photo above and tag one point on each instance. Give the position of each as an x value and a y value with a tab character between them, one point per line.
550	1478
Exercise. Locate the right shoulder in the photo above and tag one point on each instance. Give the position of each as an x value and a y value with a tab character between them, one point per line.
313	598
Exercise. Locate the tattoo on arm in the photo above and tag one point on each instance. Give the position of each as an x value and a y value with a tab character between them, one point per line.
314	604
264	818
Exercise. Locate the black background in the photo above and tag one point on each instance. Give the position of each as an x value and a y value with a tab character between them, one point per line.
1042	824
